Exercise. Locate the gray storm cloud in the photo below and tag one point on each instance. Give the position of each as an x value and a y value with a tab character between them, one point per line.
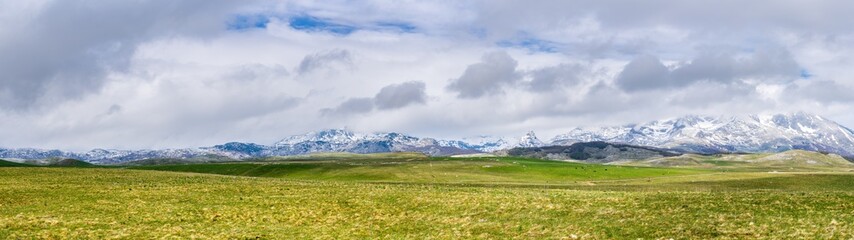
644	72
649	73
822	91
390	97
326	59
401	95
496	69
351	106
555	77
68	47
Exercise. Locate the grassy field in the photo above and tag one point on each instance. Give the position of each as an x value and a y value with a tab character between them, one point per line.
416	197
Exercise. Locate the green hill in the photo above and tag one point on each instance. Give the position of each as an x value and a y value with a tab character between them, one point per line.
407	167
414	167
342	156
173	161
315	157
4	163
793	160
68	163
801	159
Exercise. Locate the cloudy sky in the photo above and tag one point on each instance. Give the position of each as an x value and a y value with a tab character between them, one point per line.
76	74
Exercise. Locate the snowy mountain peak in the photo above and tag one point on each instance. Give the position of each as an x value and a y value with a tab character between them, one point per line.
798	121
328	135
339	140
752	133
479	143
393	137
703	134
530	140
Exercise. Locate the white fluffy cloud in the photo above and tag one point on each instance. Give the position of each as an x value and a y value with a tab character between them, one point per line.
82	74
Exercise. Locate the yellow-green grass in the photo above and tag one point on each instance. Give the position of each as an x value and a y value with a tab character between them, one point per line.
98	203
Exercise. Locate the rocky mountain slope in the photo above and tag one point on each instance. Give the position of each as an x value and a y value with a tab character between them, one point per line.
331	140
703	134
597	152
697	134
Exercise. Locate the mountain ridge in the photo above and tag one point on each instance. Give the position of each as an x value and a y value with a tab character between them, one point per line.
703	134
691	133
328	140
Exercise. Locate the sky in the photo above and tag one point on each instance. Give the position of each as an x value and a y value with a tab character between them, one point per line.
78	74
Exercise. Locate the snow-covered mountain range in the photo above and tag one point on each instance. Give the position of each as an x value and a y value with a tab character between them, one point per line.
701	134
330	140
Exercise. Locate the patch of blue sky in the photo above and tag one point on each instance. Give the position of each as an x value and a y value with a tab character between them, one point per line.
397	26
310	23
805	74
244	22
314	24
531	44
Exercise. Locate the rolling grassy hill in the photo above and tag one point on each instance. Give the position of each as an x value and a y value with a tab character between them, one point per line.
351	156
793	160
164	161
69	163
4	163
410	167
48	163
